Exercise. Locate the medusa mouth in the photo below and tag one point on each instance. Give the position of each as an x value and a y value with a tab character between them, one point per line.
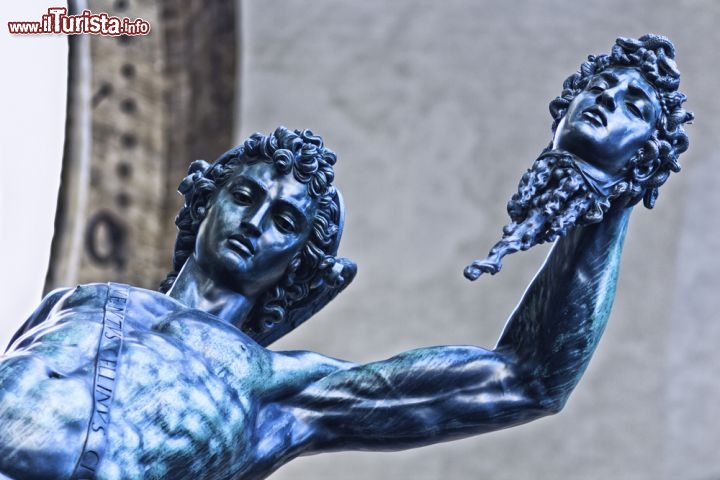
595	115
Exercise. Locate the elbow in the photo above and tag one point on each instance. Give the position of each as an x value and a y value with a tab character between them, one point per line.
547	399
553	406
552	402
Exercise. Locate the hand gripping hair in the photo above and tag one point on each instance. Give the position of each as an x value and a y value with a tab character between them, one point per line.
557	193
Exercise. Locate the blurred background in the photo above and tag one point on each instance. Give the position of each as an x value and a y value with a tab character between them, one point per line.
435	110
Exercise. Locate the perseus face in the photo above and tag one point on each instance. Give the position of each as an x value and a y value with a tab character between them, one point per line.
610	120
258	221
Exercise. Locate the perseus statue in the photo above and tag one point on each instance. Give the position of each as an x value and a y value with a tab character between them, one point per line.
110	381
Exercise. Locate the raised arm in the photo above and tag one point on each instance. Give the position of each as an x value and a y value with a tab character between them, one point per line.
441	393
555	329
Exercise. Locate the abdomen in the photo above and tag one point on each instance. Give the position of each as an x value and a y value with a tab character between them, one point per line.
45	401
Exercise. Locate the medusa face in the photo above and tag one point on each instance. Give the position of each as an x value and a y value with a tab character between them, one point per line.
257	223
610	120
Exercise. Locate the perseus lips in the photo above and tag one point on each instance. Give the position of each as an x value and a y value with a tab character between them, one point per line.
241	245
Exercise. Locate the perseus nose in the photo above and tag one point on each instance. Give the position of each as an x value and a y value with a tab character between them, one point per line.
251	224
249	229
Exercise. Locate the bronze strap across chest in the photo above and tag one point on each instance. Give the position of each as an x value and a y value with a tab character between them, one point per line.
106	365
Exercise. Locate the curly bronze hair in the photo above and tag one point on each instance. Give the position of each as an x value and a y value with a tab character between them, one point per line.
300	153
653	56
554	196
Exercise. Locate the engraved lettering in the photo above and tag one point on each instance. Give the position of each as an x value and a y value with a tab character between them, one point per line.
112	334
104	416
106	389
117	314
107	363
106	382
102	399
96	427
117	300
90	460
105	374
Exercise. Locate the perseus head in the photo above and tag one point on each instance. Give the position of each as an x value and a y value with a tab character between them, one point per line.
264	220
622	115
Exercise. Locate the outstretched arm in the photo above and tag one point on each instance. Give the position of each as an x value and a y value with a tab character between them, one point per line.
436	394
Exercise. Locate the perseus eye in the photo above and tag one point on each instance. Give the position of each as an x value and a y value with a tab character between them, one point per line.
242	196
285	223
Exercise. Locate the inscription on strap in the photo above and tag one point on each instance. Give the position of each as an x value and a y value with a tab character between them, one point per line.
106	363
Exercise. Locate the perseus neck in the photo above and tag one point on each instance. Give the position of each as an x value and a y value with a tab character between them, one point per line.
196	289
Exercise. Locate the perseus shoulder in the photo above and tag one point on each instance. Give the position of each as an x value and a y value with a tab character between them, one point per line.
82	298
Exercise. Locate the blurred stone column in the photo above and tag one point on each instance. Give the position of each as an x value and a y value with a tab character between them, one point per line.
140	108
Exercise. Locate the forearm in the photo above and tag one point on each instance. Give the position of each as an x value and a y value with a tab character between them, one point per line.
558	323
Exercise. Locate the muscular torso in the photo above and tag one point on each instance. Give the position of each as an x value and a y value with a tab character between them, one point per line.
179	401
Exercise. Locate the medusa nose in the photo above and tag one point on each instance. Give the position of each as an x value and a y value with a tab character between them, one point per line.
607	99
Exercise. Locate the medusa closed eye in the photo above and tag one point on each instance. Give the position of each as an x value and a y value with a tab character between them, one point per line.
635	110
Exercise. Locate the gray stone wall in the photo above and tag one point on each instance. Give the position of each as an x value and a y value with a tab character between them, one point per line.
435	109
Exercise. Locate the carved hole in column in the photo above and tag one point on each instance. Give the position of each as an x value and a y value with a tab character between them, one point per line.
128	140
168	13
105	239
128	70
123	200
128	106
104	91
121	5
124	170
124	39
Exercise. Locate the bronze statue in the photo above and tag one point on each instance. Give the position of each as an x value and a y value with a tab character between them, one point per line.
111	381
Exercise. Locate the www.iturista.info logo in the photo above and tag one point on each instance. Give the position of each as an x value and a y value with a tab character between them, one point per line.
57	21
